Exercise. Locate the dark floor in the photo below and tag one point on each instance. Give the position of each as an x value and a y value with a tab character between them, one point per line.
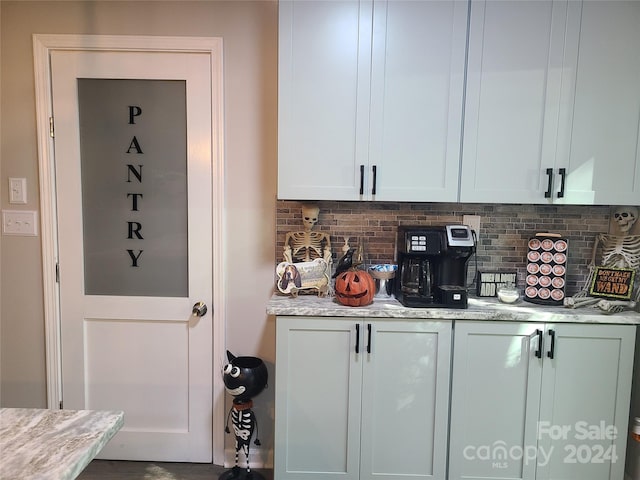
117	470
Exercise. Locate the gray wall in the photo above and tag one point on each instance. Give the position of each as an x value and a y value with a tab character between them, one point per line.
249	32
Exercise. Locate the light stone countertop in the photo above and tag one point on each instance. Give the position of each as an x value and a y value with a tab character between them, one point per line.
479	309
41	444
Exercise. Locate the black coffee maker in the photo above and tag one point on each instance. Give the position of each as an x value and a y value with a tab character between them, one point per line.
432	265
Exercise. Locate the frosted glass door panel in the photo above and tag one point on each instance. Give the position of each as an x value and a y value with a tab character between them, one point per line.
134	186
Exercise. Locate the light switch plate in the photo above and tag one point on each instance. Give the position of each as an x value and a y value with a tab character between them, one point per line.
18	190
473	221
20	222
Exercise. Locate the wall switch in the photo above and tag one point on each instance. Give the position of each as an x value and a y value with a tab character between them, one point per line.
473	221
20	222
17	190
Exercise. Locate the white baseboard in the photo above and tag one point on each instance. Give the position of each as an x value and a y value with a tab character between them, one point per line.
258	458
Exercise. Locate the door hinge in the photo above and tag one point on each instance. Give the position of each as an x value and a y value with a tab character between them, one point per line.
61	407
57	273
51	131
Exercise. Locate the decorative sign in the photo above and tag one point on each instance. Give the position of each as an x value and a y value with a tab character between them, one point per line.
612	283
294	277
488	282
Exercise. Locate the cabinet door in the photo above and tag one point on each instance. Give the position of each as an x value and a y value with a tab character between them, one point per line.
405	400
494	401
324	68
417	85
584	414
317	401
602	145
514	82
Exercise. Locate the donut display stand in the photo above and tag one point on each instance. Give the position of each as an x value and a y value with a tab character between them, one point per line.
546	269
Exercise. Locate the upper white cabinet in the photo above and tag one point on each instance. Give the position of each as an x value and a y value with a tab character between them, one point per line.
323	98
602	147
516	66
553	103
370	99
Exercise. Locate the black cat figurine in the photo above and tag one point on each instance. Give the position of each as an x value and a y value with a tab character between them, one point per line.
244	378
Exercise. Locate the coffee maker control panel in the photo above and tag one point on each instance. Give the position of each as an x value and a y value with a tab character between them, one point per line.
425	242
459	236
418	243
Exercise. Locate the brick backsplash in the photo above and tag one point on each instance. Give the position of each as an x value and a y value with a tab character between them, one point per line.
502	241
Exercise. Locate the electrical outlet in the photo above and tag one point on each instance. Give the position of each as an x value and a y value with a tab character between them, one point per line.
18	190
473	221
19	222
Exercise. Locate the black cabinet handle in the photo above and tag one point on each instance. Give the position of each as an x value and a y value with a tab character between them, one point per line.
375	172
357	338
563	174
361	179
539	350
547	194
369	338
552	350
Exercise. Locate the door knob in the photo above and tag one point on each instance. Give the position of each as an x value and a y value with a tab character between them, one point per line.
199	309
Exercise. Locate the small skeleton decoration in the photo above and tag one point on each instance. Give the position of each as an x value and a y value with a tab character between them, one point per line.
244	378
307	245
621	250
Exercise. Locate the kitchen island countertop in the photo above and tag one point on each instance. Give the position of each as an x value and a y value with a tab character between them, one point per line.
486	308
42	444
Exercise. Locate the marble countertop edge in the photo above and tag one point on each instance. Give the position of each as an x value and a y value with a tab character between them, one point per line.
104	438
479	309
48	444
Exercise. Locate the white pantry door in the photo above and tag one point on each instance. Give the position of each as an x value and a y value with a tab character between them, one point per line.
133	158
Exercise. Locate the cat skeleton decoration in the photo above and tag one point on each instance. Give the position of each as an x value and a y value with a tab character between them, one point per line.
618	251
244	378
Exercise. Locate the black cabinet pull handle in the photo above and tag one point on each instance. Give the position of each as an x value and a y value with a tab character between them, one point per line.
552	350
357	338
375	172
547	194
563	174
369	338
539	350
361	179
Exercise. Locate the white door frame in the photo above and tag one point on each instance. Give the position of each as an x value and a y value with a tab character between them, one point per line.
43	45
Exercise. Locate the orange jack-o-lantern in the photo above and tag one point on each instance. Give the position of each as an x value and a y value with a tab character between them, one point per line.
355	288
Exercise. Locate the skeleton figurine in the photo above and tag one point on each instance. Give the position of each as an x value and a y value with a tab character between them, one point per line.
618	251
307	245
243	377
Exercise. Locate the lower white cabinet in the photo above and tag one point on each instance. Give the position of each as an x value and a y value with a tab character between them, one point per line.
540	401
361	398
